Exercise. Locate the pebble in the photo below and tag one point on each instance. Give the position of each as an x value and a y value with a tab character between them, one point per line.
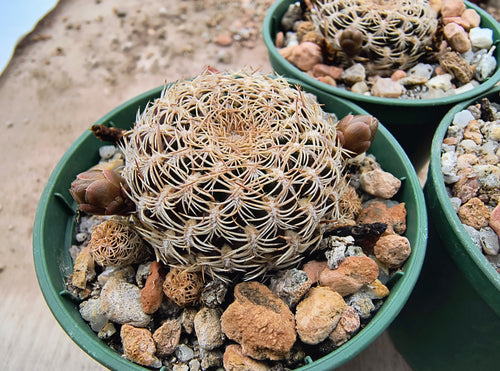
349	323
83	269
489	241
207	327
355	73
139	346
485	67
377	211
91	312
362	303
152	292
350	276
385	87
474	213
318	314
121	273
290	285
313	268
457	37
167	337
260	322
106	152
442	82
494	222
210	359
235	360
452	8
184	353
392	250
224	39
306	55
121	301
462	118
380	183
481	38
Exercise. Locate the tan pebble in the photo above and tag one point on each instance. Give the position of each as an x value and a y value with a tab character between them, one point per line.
376	290
139	346
380	183
378	212
306	55
495	220
452	8
321	69
287	52
436	5
84	268
313	269
235	360
392	250
451	141
280	40
458	20
472	17
312	36
467	185
398	75
352	273
457	37
327	80
439	70
474	213
318	313
472	132
167	337
260	322
304	28
152	292
187	319
349	323
385	87
224	39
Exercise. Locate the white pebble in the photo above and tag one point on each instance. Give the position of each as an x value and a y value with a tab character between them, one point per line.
468	146
106	152
473	234
489	241
467	87
448	162
456	203
462	118
481	38
488	175
422	69
440	82
486	67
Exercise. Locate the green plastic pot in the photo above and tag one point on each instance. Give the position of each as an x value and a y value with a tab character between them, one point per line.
412	122
452	320
55	222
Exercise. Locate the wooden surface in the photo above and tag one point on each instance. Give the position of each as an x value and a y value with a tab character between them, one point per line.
61	80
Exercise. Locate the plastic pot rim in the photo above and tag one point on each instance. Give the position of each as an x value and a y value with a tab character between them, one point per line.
269	25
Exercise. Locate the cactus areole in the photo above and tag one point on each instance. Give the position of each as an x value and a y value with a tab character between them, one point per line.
233	173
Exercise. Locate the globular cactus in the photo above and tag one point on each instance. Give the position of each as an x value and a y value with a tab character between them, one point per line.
233	172
384	35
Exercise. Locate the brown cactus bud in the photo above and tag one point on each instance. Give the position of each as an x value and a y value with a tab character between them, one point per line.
100	190
351	41
356	133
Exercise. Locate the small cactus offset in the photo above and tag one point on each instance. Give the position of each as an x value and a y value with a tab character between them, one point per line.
386	35
115	243
233	173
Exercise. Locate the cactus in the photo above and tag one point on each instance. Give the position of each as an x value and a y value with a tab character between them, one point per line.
395	34
115	243
233	173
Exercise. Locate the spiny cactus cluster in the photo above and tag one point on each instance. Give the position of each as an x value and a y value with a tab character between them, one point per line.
233	172
115	243
393	34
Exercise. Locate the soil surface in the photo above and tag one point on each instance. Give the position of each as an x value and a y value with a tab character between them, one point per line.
82	60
